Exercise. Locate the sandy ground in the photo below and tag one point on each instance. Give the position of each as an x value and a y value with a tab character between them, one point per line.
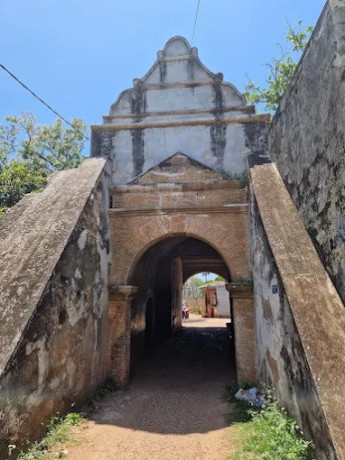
173	409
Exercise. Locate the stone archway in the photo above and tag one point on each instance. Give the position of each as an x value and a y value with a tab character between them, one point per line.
179	199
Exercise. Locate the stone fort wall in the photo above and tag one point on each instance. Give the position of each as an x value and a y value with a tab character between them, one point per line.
300	319
54	268
307	140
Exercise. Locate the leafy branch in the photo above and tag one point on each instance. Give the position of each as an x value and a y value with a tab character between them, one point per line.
29	152
280	69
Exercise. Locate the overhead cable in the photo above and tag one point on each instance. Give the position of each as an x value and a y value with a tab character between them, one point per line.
42	101
196	19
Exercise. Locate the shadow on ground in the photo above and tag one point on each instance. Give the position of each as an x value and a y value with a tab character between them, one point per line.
178	388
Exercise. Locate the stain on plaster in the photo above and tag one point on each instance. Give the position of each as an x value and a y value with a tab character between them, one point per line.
162	70
218	143
138	145
138	99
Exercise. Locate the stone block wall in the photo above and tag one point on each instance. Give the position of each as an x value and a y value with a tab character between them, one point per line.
61	355
243	317
307	140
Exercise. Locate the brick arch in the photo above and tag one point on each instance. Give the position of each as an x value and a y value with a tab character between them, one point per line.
134	234
161	239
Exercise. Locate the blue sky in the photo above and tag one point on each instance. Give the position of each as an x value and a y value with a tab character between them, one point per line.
79	55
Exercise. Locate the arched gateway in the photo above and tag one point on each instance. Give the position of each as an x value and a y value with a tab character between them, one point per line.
177	144
162	231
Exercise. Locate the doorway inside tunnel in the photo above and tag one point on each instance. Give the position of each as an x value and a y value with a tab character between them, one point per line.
160	276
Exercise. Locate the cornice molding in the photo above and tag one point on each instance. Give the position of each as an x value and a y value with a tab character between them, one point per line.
230	208
173	124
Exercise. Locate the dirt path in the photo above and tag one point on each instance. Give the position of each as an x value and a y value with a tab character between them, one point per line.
174	408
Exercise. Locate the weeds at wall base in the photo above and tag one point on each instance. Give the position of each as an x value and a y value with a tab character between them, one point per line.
108	386
52	446
267	433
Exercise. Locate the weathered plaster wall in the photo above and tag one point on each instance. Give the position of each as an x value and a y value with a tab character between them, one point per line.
299	316
280	356
307	140
178	106
61	354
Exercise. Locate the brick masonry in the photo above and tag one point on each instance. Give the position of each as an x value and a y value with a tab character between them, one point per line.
120	298
244	329
146	212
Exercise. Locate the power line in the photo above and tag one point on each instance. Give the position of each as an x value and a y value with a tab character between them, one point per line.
196	18
43	102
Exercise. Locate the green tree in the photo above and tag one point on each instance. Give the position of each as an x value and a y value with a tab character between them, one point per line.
205	274
219	278
281	70
29	152
191	287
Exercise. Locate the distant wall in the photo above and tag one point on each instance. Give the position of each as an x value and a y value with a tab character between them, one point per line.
61	356
223	302
307	140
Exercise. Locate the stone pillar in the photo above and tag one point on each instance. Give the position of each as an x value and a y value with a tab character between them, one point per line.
176	294
119	339
244	330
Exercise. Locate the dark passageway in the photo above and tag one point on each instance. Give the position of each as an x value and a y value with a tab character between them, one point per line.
159	276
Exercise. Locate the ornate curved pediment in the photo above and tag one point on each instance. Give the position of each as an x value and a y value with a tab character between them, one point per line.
177	83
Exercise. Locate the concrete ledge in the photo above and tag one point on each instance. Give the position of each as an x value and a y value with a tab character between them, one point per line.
265	118
122	290
246	108
233	208
232	184
240	290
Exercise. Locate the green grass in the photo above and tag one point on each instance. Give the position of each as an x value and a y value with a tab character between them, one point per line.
3	212
52	446
266	434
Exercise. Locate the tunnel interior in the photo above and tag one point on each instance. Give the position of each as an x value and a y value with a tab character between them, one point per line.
159	276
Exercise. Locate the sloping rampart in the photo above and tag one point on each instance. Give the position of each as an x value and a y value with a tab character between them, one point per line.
300	316
53	304
33	247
